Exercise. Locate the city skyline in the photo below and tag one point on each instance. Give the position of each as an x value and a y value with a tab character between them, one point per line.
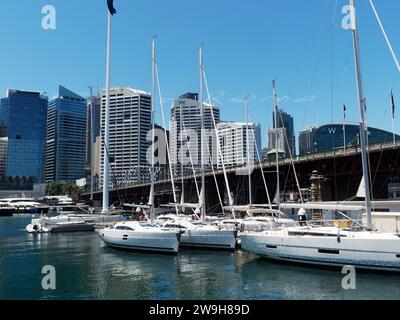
307	64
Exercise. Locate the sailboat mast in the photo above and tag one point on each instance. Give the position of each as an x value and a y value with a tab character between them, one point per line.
278	187
153	59
362	109
203	178
91	141
106	170
181	136
246	108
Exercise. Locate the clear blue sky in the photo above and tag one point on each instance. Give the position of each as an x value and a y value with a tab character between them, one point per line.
247	43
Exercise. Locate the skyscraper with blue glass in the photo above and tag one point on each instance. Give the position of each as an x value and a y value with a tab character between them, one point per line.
66	137
23	115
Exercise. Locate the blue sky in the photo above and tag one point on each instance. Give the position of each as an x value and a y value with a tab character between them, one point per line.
247	43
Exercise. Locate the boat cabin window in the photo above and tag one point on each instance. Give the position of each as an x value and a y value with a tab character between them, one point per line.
172	225
123	228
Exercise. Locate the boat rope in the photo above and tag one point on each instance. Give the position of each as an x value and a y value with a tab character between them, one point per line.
166	140
385	35
292	162
191	161
221	156
261	168
215	176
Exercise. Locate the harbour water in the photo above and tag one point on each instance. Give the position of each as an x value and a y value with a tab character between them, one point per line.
87	269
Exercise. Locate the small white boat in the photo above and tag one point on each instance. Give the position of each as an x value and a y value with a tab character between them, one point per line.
141	236
71	222
200	235
36	228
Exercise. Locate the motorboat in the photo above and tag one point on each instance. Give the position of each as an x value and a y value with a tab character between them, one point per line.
71	222
26	205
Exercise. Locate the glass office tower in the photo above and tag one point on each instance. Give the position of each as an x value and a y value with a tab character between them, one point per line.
23	114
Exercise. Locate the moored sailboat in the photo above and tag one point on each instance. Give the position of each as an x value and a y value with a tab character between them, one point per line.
361	247
136	235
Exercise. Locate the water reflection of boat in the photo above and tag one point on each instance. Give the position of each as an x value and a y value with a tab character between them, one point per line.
6	210
269	279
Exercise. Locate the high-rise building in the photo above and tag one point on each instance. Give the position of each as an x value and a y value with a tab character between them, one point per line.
23	117
286	134
332	136
233	141
130	125
306	140
66	137
185	118
93	108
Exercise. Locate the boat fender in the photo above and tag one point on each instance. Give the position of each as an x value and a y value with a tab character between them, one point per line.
302	215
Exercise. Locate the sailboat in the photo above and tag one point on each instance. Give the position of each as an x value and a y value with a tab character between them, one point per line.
258	217
135	235
362	247
197	233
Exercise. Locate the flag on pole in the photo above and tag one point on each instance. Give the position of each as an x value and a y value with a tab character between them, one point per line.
110	4
344	110
393	105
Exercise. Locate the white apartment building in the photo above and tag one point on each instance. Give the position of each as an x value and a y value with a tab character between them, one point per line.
130	123
233	140
185	118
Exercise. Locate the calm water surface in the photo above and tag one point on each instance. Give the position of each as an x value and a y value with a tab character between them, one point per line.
86	269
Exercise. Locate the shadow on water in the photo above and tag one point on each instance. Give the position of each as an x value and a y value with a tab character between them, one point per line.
87	269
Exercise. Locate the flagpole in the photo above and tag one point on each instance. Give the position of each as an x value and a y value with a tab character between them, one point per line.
344	129
394	134
106	171
393	110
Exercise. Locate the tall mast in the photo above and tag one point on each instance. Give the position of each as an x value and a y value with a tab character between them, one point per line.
106	171
91	141
151	198
203	178
246	108
181	136
362	109
278	187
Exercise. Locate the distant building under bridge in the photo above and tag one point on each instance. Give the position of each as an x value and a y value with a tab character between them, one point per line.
332	136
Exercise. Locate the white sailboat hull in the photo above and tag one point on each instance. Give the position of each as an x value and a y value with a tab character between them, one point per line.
362	250
209	239
149	241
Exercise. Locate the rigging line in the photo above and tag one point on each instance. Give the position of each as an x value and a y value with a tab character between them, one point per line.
334	12
385	35
261	168
349	50
113	178
166	139
292	162
191	160
216	183
315	63
333	60
221	157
